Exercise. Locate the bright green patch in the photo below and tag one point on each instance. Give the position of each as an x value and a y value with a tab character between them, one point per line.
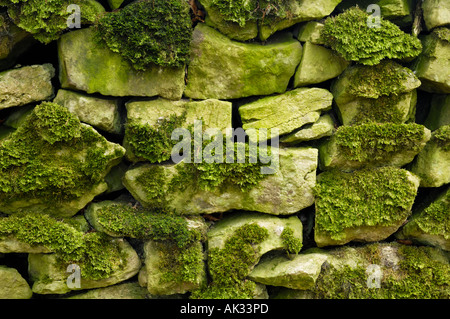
149	32
442	136
349	34
292	244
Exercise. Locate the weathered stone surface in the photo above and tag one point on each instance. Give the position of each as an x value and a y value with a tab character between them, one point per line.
381	93
436	13
87	66
98	112
439	114
13	285
170	281
26	85
286	112
299	11
297	272
430	225
310	32
432	164
366	205
229	28
213	114
128	290
318	64
432	66
286	192
241	69
50	277
373	145
10	244
324	126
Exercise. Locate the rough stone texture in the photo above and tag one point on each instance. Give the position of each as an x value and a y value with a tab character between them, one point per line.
128	290
286	192
11	245
286	112
241	69
310	32
98	112
324	126
86	66
297	272
439	114
26	85
50	278
318	64
12	285
430	225
436	13
432	66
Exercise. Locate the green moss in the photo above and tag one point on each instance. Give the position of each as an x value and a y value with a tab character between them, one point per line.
47	20
381	110
372	142
442	33
52	156
292	244
349	34
243	290
149	32
370	197
442	136
91	251
153	181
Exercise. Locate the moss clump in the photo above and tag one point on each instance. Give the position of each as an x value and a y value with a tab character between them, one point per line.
149	32
47	20
52	157
442	33
381	110
230	265
349	34
372	142
442	136
94	252
368	197
153	142
292	244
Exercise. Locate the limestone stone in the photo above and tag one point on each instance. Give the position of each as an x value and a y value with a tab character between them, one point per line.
310	32
286	192
13	285
128	290
86	66
10	244
26	85
286	112
242	69
99	112
323	127
318	64
436	13
439	114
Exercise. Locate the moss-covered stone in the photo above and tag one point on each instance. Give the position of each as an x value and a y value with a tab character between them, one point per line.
324	126
436	13
368	45
310	32
366	205
372	145
13	285
54	163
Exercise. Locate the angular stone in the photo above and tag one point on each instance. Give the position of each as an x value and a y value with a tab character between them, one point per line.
432	164
297	272
324	126
173	280
10	244
318	64
18	116
366	205
439	114
115	4
430	225
98	112
286	112
373	145
432	66
213	114
13	285
26	85
380	93
229	28
241	69
310	32
286	192
128	290
436	13
50	277
299	11
87	66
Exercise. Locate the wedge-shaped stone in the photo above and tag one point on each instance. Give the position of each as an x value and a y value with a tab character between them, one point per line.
373	145
13	285
286	192
324	126
436	13
26	85
242	69
430	225
286	112
366	205
310	32
87	66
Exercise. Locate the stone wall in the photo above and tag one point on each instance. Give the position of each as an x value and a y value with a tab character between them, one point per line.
350	199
